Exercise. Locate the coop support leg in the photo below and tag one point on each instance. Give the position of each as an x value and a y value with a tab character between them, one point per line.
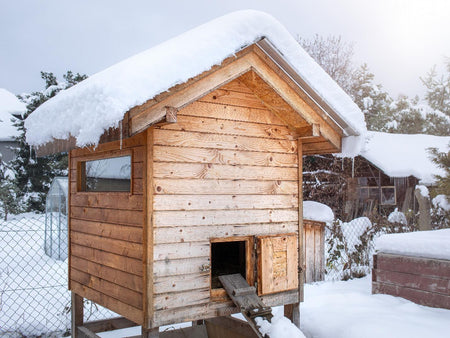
77	313
150	333
292	311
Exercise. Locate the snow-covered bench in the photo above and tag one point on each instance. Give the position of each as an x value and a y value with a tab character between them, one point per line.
415	266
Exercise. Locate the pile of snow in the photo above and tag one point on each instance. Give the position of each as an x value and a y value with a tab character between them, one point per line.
88	108
9	104
423	190
349	310
315	211
400	155
431	244
440	201
279	327
397	217
353	230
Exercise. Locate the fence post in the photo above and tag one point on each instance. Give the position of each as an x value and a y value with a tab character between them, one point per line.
77	313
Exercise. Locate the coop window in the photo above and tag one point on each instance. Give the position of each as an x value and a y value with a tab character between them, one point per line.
106	174
230	256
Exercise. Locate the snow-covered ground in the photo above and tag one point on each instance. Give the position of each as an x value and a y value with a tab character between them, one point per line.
349	310
33	286
33	297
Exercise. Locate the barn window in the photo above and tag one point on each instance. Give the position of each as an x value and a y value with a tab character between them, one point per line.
388	196
106	174
230	256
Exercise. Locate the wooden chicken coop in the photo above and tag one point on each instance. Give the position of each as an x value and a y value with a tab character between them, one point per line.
200	182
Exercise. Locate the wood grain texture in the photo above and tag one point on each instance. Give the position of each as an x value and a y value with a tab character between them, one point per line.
224	202
212	217
224	172
220	156
204	233
232	113
108	230
212	141
223	187
109	302
226	127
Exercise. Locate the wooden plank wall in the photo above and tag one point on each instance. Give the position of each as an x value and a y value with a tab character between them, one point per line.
228	167
106	235
314	233
425	281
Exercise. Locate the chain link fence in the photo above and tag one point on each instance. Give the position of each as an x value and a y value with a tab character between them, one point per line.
34	300
350	246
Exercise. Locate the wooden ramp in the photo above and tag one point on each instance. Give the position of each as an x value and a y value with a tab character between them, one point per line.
246	299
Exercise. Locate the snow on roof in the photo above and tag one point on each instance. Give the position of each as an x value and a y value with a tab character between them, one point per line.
87	109
9	104
432	244
315	211
400	155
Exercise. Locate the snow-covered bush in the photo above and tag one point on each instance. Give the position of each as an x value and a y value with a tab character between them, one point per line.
350	245
440	212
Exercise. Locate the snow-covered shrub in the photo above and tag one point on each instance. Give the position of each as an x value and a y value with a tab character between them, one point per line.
350	245
349	248
440	212
397	217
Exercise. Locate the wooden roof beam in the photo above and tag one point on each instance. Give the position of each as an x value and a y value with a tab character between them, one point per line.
311	131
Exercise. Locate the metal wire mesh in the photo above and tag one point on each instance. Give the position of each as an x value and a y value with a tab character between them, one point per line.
34	299
349	248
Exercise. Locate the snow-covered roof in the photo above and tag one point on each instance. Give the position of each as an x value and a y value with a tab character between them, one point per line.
432	244
98	103
401	155
9	104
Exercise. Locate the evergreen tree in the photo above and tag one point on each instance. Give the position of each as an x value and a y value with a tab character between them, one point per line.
442	160
33	175
8	191
407	116
373	101
438	90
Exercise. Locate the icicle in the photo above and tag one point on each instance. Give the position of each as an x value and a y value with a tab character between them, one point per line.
120	129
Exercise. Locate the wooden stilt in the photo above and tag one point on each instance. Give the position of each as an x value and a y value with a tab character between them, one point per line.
77	313
296	314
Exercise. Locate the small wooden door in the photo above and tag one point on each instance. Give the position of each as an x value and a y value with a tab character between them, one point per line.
277	263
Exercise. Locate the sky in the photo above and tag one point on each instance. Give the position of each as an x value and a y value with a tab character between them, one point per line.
400	40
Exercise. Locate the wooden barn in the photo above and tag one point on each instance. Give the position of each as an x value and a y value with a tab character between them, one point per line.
385	175
201	180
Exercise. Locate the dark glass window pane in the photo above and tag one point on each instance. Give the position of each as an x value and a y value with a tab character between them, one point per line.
388	195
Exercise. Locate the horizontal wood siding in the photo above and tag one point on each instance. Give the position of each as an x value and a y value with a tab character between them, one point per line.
425	281
227	168
106	235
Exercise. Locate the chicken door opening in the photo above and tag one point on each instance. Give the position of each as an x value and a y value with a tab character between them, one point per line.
227	258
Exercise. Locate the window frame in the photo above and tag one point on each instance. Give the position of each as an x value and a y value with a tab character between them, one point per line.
81	170
381	194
